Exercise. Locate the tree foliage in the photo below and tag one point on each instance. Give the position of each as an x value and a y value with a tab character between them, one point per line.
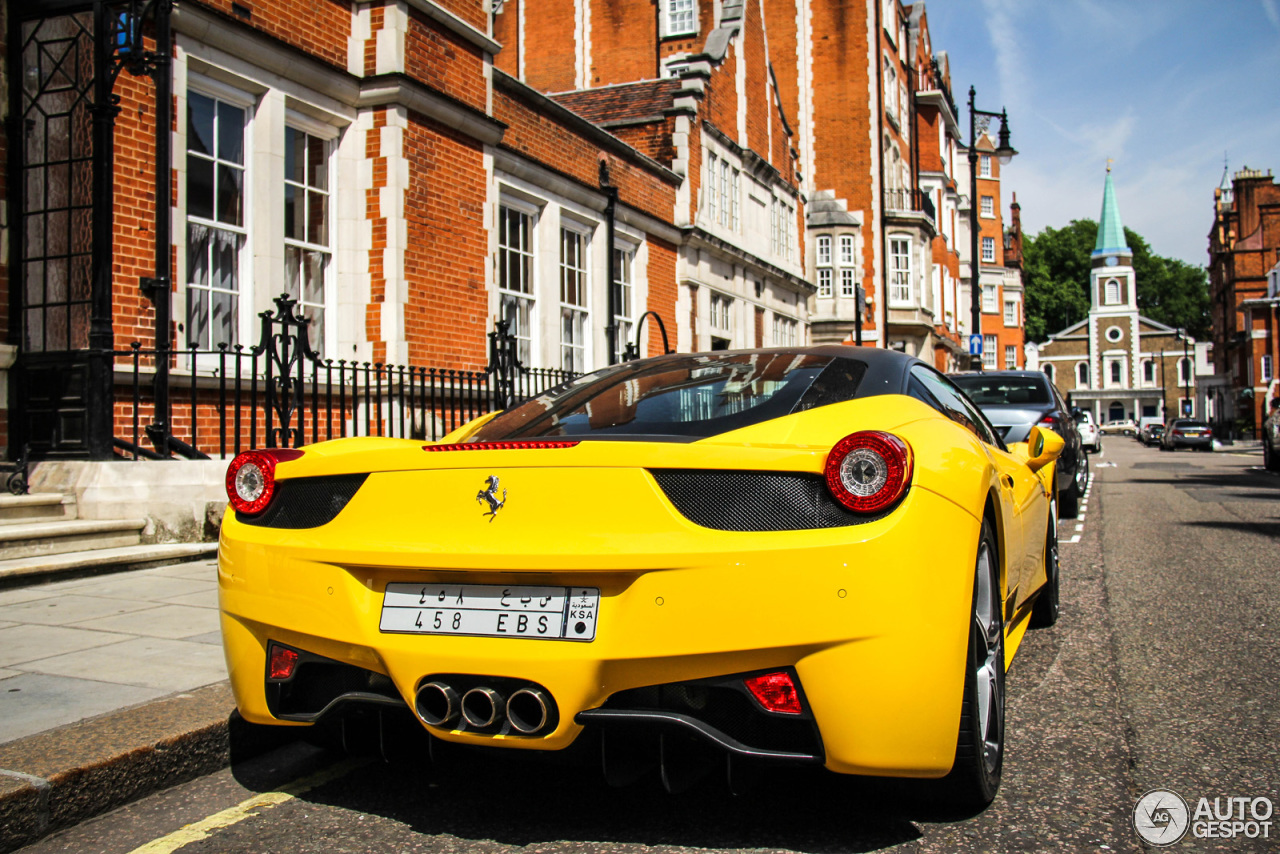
1056	263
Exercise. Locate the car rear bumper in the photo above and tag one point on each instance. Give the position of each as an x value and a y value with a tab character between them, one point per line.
872	620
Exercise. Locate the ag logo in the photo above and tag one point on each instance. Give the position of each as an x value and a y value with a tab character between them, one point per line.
1160	817
490	494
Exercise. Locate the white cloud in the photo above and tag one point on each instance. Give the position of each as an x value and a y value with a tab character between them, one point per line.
1273	12
1007	43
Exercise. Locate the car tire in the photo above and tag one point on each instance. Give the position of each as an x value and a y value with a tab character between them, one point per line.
1048	604
975	776
1069	499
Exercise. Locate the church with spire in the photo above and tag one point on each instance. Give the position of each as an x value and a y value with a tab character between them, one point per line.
1116	363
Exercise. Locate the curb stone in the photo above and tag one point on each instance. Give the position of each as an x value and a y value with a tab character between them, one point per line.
58	778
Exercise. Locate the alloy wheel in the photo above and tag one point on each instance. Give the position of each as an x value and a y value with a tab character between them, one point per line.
990	660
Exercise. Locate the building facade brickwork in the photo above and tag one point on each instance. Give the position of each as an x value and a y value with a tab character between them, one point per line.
1244	292
755	172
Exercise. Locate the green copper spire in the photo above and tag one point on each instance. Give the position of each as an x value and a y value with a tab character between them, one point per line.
1110	230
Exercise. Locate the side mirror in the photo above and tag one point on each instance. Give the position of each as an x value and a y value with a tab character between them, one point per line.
1044	447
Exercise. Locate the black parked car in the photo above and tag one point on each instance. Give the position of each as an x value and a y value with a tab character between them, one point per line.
1271	437
1016	401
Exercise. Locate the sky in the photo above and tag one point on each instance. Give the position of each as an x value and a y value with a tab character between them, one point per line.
1165	88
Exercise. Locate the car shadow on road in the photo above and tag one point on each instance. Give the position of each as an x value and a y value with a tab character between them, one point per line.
521	801
1248	480
1266	529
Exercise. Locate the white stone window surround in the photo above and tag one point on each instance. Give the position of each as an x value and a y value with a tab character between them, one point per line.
246	297
329	134
625	304
516	237
678	18
988	250
278	101
1114	370
1265	369
1011	313
1082	375
901	286
990	299
847	250
1111	292
848	284
824	250
575	284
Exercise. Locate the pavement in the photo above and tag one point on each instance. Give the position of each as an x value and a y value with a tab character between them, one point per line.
111	687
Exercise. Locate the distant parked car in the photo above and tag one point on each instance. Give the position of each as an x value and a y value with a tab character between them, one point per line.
1125	426
1090	438
1271	437
1016	401
1151	434
1187	433
1143	424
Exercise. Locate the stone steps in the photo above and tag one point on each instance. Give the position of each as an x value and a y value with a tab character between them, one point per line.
38	507
28	570
33	539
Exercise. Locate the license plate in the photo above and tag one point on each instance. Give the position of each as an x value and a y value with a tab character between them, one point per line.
491	610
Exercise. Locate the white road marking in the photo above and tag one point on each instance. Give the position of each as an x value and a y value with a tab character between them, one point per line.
1074	539
206	827
1079	528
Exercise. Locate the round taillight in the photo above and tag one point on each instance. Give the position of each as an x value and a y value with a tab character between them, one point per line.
869	471
251	478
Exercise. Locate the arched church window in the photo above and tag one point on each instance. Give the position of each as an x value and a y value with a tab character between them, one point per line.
1115	372
1111	292
1082	374
1149	371
1048	372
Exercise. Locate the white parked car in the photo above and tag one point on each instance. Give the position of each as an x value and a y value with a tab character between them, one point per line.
1090	438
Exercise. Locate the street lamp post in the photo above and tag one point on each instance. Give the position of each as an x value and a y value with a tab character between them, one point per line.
1004	153
1186	366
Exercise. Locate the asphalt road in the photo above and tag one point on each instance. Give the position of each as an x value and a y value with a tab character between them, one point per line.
1162	673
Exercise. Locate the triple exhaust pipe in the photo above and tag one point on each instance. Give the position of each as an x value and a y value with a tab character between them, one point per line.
528	709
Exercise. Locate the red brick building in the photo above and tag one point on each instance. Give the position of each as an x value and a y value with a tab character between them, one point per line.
689	84
368	159
749	172
1244	291
999	265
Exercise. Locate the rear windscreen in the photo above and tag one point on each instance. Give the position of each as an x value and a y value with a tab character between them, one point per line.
1004	391
684	396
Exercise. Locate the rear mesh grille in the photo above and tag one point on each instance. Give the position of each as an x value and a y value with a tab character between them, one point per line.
754	500
307	502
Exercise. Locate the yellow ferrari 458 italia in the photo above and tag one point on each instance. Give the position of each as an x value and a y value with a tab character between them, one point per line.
820	555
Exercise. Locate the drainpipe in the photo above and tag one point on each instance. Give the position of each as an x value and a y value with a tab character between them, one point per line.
877	204
611	298
161	290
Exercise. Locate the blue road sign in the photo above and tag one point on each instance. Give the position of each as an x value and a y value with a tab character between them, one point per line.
975	345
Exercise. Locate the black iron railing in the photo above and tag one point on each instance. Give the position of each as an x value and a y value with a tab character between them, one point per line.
279	393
